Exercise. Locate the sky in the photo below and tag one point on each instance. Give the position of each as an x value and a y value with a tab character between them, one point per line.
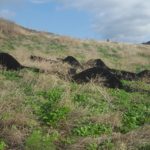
117	20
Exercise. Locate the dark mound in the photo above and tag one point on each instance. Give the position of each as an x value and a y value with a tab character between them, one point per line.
143	74
123	75
101	73
72	61
9	62
95	63
120	74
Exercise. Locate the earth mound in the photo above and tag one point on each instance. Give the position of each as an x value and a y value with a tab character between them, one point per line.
124	75
98	74
144	73
9	62
120	74
95	63
72	61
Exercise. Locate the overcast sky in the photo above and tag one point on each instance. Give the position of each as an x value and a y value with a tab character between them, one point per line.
118	20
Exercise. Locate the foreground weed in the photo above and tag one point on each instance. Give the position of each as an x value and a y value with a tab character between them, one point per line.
135	111
99	107
50	111
135	116
2	145
106	145
92	129
92	146
11	75
144	147
38	141
81	99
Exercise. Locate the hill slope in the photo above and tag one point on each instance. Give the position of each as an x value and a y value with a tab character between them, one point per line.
43	110
17	39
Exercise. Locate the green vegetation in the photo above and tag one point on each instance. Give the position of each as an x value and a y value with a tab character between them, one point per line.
45	111
50	112
11	75
64	112
39	141
2	145
136	111
91	129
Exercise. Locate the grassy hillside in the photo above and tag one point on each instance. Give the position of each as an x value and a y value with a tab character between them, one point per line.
43	111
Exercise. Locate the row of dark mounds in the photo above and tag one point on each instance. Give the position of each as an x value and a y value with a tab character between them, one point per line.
146	43
94	69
